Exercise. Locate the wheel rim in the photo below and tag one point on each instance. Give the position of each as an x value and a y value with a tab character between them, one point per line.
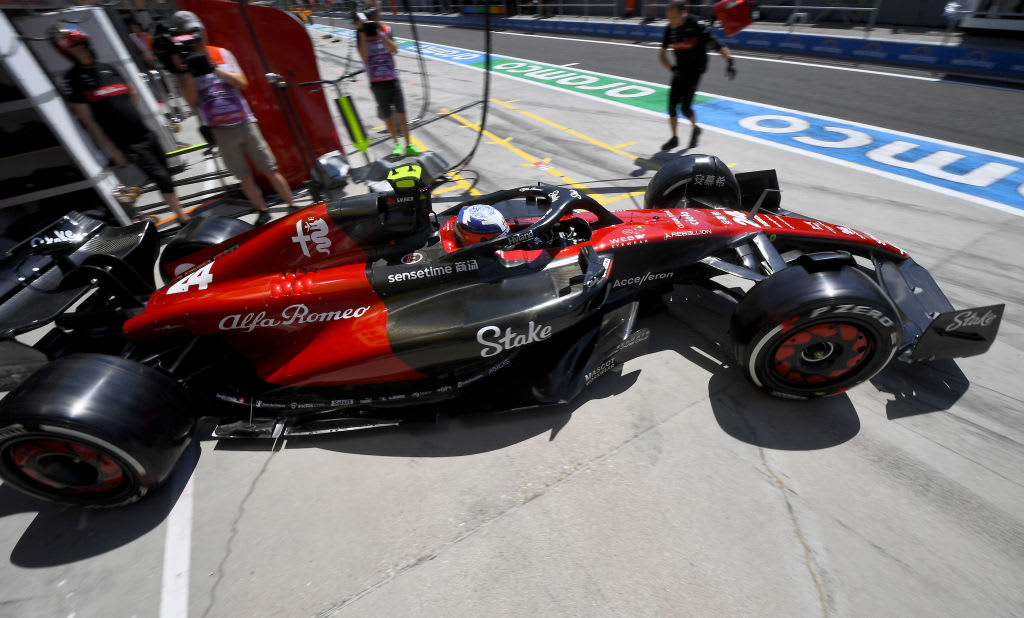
66	467
821	353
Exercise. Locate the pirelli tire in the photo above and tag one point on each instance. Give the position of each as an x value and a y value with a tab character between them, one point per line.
693	181
803	335
93	430
206	232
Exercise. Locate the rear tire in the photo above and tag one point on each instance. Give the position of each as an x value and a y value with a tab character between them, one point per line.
93	430
197	236
803	335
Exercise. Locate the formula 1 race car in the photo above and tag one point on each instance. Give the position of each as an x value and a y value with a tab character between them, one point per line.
368	311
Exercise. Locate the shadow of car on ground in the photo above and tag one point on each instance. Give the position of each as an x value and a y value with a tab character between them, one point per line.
64	534
61	535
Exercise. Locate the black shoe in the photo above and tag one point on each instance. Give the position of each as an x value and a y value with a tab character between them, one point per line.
670	144
694	137
263	217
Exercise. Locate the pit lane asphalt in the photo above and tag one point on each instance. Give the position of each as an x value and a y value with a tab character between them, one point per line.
673	488
900	99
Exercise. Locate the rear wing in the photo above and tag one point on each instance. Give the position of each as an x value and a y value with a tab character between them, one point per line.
41	278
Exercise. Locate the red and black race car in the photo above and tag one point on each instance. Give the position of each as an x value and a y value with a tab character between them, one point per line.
366	312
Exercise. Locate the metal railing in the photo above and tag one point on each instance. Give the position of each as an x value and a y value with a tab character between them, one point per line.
850	12
997	9
988	14
540	8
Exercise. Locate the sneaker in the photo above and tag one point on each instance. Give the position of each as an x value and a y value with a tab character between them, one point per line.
263	217
694	137
398	151
411	151
670	144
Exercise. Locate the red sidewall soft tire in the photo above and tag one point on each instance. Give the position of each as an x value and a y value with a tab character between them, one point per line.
805	335
93	410
127	484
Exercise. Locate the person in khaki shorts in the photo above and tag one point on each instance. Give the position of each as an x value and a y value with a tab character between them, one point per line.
212	86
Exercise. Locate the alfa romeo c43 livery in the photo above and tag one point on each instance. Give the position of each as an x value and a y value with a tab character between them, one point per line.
370	311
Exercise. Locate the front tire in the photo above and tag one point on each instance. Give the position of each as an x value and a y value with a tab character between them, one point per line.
805	335
93	430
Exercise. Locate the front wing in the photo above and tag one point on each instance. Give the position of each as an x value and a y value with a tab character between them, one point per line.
932	328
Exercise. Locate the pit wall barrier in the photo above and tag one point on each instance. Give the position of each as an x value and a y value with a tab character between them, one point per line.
971	60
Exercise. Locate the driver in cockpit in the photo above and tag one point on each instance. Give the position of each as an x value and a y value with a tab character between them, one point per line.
477	223
480	222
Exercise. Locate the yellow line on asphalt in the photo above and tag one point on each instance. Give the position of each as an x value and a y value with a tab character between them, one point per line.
463	184
460	182
623	196
616	149
531	159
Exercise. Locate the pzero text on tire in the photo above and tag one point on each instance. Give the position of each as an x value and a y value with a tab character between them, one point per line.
93	430
801	335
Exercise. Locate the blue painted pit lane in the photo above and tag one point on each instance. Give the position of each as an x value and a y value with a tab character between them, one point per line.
983	177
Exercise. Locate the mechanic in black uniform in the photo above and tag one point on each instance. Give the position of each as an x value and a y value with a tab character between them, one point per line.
689	38
105	105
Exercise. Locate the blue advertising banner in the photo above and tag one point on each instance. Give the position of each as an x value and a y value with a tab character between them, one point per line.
938	57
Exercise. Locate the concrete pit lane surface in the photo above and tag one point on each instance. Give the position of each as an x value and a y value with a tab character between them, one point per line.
671	488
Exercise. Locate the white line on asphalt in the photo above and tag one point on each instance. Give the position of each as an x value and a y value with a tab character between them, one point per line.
571	64
839	68
882	73
870	170
815	65
838	161
913	136
177	556
722	96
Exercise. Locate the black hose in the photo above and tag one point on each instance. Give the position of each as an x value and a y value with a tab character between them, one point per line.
487	92
353	45
425	82
283	102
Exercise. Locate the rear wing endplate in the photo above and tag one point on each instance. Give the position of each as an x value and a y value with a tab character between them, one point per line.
955	334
